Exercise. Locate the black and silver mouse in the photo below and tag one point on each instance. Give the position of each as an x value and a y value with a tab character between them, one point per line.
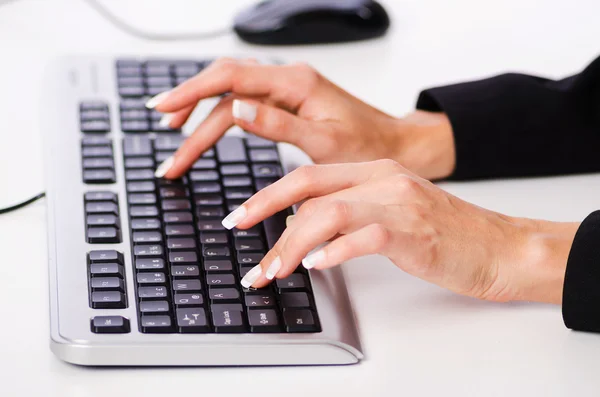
274	22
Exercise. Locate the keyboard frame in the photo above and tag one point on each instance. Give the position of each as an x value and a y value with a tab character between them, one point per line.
70	80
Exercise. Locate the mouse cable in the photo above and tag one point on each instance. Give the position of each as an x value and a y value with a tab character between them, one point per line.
22	204
132	30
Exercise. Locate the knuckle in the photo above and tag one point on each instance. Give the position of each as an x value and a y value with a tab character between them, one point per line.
381	236
306	175
277	122
307	209
405	185
309	75
339	211
388	164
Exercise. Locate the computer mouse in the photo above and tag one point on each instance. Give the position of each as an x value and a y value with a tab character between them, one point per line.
280	22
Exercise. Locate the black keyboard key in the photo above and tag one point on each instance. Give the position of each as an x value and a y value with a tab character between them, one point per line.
183	257
249	258
188	300
142	198
141	187
237	181
173	192
293	282
208	199
146	237
148	278
226	320
177	217
162	156
220	279
252	232
143	211
231	150
181	182
260	301
256	142
157	292
274	227
204	176
176	205
216	252
266	171
249	245
135	125
158	80
99	176
145	174
134	114
238	193
264	155
95	126
205	212
147	250
235	169
132	103
218	265
103	235
90	115
107	283
156	324
262	183
179	230
93	140
206	187
134	163
185	271
263	320
110	325
131	91
101	256
106	269
168	142
204	164
154	307
96	151
149	264
98	163
295	300
145	224
102	220
102	207
187	285
214	238
101	196
181	243
93	105
192	319
223	295
299	320
137	146
108	300
208	225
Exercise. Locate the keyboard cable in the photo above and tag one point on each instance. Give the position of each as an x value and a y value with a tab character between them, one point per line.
21	204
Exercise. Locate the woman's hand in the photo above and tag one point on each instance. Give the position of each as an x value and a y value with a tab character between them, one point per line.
381	208
295	104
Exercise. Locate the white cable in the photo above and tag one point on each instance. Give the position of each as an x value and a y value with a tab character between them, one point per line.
132	30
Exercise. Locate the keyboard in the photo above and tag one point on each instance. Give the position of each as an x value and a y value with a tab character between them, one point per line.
141	270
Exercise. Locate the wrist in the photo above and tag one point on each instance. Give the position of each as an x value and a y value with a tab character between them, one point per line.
544	253
426	144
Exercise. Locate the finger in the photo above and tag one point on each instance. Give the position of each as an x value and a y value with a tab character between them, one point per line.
329	220
302	183
369	240
272	122
176	119
288	84
206	134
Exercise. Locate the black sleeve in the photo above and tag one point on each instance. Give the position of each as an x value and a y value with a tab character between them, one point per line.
581	293
517	125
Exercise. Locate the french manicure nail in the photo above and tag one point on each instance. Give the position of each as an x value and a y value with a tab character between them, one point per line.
288	220
233	219
164	167
313	260
273	269
165	120
157	99
251	276
244	111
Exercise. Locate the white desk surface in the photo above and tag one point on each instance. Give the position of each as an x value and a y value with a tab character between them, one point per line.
418	339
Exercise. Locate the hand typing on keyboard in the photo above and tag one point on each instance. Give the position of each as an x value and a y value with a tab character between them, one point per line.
295	104
381	208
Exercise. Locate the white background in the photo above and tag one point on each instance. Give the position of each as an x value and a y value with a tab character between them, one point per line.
418	339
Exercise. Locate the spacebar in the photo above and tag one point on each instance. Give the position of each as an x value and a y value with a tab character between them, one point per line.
274	226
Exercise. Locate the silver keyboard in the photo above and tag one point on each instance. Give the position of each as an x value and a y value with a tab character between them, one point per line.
141	271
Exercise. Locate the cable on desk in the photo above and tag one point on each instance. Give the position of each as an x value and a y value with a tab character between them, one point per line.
132	30
22	204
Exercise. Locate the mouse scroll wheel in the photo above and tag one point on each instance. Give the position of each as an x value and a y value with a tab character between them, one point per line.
365	13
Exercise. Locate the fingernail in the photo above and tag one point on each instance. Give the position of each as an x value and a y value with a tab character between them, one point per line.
157	99
273	269
166	119
164	167
233	219
313	260
288	220
244	111
251	276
